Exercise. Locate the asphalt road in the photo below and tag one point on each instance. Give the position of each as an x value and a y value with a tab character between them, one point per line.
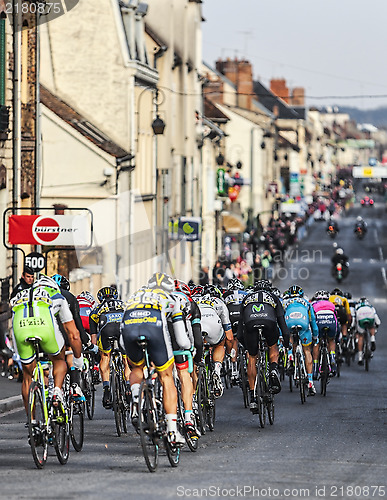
331	447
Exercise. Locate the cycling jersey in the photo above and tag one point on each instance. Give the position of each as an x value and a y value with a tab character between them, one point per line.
299	312
105	321
261	309
85	308
326	318
215	319
233	300
343	310
74	308
366	315
147	312
34	313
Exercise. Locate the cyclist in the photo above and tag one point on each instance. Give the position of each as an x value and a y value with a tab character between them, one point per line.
360	224
233	297
325	317
340	257
146	313
261	308
216	327
365	313
35	312
192	317
343	311
298	311
86	304
105	321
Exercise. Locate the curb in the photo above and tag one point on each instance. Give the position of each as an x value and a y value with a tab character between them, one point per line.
12	403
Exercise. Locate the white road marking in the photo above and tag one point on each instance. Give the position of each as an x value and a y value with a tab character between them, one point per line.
379	300
383	270
381	253
357	260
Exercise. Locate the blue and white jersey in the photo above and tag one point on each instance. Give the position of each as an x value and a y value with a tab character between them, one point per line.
299	312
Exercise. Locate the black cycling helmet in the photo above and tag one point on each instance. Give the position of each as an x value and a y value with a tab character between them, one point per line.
347	295
321	295
296	291
107	292
235	284
163	281
337	291
262	285
191	284
212	290
62	281
276	291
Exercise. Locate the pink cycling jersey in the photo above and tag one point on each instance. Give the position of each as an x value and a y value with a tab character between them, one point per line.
324	305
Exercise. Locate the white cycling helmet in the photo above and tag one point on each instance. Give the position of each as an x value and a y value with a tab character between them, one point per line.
339	251
163	281
46	281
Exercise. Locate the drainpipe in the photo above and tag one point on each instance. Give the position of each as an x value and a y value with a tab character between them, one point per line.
16	132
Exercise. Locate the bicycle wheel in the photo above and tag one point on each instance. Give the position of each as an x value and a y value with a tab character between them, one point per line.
89	393
115	393
61	436
201	399
301	379
148	427
324	373
124	406
210	403
270	408
367	352
259	392
77	424
173	453
192	442
37	430
243	379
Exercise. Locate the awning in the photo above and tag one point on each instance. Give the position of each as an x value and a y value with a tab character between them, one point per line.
233	223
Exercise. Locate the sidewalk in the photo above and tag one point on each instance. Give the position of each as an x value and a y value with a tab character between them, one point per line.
10	395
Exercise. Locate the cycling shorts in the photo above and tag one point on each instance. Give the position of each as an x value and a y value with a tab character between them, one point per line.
270	333
305	334
341	314
43	326
212	329
327	319
151	324
109	330
362	323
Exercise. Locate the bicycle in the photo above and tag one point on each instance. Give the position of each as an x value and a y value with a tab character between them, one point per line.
262	391
349	347
204	398
118	388
152	425
300	373
87	383
324	362
367	354
192	441
226	371
242	369
46	424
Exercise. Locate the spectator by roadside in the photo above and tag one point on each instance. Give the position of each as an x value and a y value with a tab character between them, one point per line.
26	280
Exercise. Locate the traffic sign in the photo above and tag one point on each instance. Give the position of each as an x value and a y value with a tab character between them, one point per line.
36	261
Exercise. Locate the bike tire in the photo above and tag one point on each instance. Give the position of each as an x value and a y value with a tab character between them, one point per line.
192	443
89	392
270	409
301	381
114	391
211	414
77	424
148	427
243	380
61	437
173	453
37	430
124	407
259	393
367	353
324	374
225	374
201	400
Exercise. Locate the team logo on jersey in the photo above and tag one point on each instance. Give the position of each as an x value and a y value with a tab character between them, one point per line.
258	309
139	314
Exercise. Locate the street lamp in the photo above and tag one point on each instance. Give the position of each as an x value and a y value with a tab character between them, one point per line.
158	126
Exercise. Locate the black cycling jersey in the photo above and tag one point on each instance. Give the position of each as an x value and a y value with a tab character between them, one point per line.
105	313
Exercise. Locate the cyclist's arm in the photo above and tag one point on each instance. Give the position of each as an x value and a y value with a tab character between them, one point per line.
348	311
197	331
179	330
284	329
85	337
225	319
313	322
68	324
240	336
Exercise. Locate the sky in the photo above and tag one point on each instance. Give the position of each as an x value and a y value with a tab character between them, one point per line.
335	49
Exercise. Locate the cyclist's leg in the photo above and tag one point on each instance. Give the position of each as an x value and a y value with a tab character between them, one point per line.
28	370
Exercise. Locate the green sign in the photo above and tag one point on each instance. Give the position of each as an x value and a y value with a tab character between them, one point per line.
221	182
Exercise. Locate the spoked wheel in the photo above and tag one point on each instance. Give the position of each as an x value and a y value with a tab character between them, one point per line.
243	379
226	372
324	375
367	353
36	426
89	392
301	379
173	453
191	440
201	400
211	406
148	427
115	394
259	393
77	424
61	428
124	406
270	408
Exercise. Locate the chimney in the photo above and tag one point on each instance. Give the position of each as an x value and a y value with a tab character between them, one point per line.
279	88
241	75
298	96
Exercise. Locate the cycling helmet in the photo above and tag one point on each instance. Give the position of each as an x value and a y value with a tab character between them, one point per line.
212	290
235	284
262	285
62	281
347	295
197	291
285	294
321	295
339	251
46	281
296	291
359	218
86	296
163	281
250	288
191	284
107	292
276	291
363	301
337	291
180	286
